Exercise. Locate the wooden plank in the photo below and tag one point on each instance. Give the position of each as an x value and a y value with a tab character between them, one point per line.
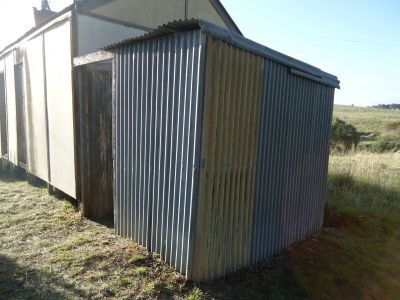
92	58
94	141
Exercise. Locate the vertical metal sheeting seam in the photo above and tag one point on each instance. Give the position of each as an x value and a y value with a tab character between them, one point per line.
186	164
196	161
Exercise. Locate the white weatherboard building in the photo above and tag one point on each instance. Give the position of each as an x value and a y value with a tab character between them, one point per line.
38	111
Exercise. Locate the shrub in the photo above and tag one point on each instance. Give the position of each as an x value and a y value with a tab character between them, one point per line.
344	136
383	144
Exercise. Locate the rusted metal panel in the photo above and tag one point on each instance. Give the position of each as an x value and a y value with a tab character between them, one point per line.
230	137
157	109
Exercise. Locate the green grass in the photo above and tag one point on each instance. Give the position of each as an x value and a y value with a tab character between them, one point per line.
367	184
379	128
140	271
48	251
361	244
370	120
196	294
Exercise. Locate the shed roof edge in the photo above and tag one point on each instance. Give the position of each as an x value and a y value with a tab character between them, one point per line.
181	26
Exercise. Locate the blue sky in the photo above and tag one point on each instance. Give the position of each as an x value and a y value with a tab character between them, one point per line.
358	41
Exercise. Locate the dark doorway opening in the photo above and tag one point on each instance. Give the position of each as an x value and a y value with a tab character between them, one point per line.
20	110
3	116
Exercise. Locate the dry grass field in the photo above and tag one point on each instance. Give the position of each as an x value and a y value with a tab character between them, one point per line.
48	251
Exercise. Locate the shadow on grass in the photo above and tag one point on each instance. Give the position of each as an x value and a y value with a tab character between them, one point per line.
17	282
355	197
10	173
274	279
343	262
347	261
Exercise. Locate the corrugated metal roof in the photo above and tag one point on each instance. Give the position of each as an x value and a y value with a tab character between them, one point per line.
180	26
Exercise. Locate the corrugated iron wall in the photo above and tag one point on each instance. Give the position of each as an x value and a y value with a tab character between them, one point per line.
229	150
265	157
259	182
157	114
292	160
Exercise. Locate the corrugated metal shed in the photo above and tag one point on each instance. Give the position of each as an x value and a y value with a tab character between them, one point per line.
220	147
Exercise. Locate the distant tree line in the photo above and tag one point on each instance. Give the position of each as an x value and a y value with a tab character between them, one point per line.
388	106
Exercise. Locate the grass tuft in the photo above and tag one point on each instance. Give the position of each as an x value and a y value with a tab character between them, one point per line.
140	270
138	258
196	294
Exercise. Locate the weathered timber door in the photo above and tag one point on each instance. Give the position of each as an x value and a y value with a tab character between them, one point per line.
94	138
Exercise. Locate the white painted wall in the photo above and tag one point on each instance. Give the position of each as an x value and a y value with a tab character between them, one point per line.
94	33
35	108
203	9
153	13
149	13
11	109
60	107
